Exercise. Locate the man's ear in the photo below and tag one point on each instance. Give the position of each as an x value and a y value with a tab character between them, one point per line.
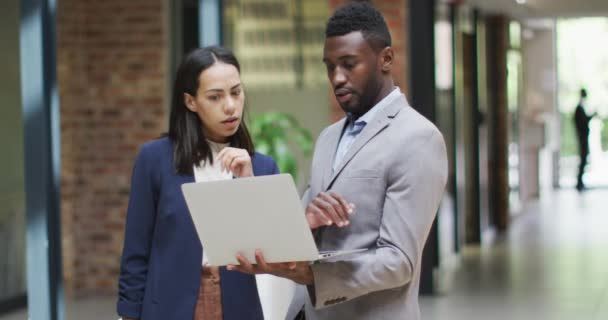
189	102
386	59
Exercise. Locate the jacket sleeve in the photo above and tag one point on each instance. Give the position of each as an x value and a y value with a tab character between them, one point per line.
141	216
414	191
274	168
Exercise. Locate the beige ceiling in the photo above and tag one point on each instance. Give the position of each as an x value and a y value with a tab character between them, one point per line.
545	8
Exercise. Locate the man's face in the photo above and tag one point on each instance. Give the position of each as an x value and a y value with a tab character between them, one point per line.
353	69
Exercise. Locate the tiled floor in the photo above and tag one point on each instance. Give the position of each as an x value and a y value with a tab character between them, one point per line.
98	308
552	265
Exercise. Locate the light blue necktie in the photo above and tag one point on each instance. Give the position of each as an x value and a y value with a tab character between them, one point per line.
349	136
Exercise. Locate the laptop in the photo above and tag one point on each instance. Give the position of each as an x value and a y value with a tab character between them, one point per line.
245	214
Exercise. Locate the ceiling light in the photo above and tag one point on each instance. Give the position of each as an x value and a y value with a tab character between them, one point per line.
521	1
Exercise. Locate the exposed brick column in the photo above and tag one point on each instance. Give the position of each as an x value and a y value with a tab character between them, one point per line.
395	14
112	79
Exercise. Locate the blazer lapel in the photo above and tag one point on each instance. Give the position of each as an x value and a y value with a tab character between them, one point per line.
333	138
380	121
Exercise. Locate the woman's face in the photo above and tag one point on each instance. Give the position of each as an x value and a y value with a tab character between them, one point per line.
219	101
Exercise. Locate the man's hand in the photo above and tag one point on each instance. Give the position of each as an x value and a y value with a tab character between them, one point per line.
299	272
329	208
236	161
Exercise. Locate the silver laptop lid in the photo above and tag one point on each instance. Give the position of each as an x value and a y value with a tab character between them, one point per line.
245	214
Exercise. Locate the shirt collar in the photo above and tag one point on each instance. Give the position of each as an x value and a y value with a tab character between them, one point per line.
216	147
371	113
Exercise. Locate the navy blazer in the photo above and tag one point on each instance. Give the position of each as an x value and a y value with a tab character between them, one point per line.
162	255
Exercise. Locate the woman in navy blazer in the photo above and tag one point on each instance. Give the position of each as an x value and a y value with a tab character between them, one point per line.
160	274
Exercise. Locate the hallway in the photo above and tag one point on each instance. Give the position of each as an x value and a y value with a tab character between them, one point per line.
553	264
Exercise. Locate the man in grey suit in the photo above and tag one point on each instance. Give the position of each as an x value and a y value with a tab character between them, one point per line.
386	159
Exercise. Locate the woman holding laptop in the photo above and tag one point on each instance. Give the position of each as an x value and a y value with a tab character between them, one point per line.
163	273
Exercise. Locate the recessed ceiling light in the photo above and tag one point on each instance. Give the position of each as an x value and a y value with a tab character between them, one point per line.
521	1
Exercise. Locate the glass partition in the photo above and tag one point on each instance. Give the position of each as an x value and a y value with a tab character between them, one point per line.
12	197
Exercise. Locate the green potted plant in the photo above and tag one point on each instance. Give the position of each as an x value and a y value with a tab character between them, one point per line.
276	134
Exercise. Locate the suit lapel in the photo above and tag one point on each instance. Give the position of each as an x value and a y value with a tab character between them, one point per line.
379	123
329	155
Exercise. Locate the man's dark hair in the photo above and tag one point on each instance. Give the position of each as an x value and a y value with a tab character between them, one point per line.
190	145
583	93
363	17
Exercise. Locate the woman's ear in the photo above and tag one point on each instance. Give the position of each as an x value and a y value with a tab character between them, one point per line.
190	103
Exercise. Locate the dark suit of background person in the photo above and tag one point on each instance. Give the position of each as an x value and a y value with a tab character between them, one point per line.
162	254
581	121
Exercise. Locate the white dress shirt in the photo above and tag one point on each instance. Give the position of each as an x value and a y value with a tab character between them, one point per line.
207	171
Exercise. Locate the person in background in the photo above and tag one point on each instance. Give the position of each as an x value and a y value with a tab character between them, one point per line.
581	121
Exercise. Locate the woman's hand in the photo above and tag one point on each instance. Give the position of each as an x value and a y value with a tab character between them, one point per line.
236	161
298	272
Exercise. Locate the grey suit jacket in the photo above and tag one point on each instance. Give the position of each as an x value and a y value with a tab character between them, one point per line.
395	173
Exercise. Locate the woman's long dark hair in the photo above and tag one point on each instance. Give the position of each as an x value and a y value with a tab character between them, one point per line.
185	128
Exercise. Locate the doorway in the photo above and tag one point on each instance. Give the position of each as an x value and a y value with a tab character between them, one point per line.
582	63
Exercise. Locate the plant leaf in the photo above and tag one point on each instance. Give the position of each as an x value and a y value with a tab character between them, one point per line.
285	159
272	132
303	138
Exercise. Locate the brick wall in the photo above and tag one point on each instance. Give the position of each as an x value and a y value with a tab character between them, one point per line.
112	80
395	14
